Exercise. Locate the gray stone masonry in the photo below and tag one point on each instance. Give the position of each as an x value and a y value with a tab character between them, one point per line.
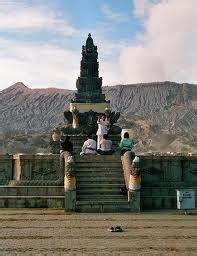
5	169
162	175
98	180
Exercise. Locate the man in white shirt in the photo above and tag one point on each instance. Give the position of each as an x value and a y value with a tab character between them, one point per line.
89	147
103	128
105	146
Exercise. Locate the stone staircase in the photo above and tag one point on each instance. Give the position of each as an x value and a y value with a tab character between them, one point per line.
99	179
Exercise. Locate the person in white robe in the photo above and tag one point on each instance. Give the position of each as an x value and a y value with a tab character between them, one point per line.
103	128
89	147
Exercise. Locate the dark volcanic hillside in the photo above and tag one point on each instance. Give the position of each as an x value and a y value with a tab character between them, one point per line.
28	109
168	109
169	105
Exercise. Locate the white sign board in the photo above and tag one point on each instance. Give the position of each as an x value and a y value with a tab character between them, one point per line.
185	199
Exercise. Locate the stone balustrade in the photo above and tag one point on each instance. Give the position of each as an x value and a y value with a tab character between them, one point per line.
6	167
161	175
37	170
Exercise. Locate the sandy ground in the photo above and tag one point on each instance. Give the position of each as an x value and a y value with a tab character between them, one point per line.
52	232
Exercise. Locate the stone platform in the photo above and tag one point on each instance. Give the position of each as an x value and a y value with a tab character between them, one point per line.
96	176
78	141
31	197
85	107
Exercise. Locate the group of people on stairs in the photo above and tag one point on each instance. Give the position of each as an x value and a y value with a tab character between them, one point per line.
103	146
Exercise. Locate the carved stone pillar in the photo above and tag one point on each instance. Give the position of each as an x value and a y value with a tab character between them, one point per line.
69	182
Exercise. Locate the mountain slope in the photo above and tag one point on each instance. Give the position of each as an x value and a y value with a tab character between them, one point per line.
152	109
28	109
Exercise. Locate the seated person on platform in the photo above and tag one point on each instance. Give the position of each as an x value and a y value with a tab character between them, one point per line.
105	146
89	146
67	145
126	144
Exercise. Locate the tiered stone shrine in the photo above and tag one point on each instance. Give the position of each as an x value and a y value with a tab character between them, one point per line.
89	102
89	83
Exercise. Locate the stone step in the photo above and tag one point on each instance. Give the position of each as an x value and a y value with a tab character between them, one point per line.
31	190
106	201
101	197
100	163
102	206
26	196
99	192
115	170
97	180
101	175
97	159
104	187
99	186
31	201
99	169
95	163
79	140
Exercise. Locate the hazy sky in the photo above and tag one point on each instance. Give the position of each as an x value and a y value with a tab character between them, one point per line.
138	40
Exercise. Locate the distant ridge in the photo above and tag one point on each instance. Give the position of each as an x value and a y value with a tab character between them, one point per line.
149	109
20	86
17	86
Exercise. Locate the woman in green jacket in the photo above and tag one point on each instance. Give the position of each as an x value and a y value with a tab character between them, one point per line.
126	144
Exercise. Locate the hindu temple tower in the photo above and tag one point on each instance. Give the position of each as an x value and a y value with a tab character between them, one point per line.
89	85
89	101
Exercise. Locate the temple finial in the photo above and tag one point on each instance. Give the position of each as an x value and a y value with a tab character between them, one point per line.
89	42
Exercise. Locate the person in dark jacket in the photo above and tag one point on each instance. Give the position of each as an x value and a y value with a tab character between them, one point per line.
67	145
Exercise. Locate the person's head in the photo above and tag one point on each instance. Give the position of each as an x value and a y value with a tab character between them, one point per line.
126	135
103	117
105	136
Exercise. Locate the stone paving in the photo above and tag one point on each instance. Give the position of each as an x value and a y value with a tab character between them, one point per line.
52	232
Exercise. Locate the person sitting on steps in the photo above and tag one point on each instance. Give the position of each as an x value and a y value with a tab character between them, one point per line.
89	146
126	144
105	146
67	145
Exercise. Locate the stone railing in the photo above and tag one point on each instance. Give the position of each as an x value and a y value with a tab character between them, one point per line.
6	166
132	179
69	171
69	181
162	175
37	181
131	171
37	170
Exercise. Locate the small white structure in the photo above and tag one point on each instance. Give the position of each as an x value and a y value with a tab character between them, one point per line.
185	199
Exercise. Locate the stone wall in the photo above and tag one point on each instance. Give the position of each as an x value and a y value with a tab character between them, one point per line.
35	167
39	173
6	166
162	175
